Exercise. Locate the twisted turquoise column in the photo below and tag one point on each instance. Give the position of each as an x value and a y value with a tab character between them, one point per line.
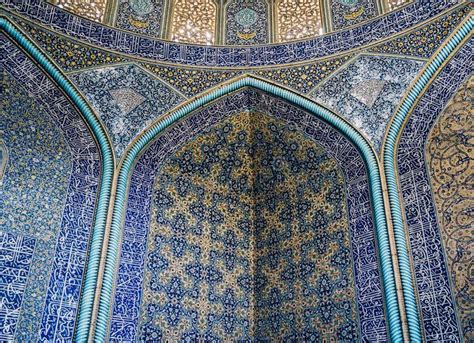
355	137
107	164
389	156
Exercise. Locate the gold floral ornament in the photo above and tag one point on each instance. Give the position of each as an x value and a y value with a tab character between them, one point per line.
194	21
450	158
90	9
298	19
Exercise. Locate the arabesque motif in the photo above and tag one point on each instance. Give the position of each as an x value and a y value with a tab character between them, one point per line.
450	160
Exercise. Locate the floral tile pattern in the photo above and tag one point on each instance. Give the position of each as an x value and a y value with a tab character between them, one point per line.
125	116
351	90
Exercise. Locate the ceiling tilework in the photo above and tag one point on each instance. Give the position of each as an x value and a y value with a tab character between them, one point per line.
142	46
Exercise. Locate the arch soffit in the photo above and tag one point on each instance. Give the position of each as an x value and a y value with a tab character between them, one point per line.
389	150
107	165
140	143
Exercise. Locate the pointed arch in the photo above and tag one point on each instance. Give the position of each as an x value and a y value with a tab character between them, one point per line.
389	149
367	153
107	164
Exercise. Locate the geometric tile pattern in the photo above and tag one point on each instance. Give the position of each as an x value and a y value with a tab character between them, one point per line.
16	254
367	91
191	82
435	294
249	239
129	284
51	297
165	51
141	99
450	158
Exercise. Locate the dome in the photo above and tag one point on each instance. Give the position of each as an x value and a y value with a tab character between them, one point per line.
231	22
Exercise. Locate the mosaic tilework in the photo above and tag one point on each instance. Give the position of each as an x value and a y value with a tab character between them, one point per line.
50	303
423	42
303	78
191	82
351	91
126	98
249	239
246	22
16	254
128	293
450	158
194	81
107	37
66	53
350	12
142	16
435	295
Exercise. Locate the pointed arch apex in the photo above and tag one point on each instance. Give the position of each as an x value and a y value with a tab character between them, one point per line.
249	80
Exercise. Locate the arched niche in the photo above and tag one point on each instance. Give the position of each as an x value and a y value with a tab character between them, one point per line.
170	259
49	197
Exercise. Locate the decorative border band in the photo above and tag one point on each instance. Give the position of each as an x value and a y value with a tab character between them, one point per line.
98	230
368	154
170	52
389	149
